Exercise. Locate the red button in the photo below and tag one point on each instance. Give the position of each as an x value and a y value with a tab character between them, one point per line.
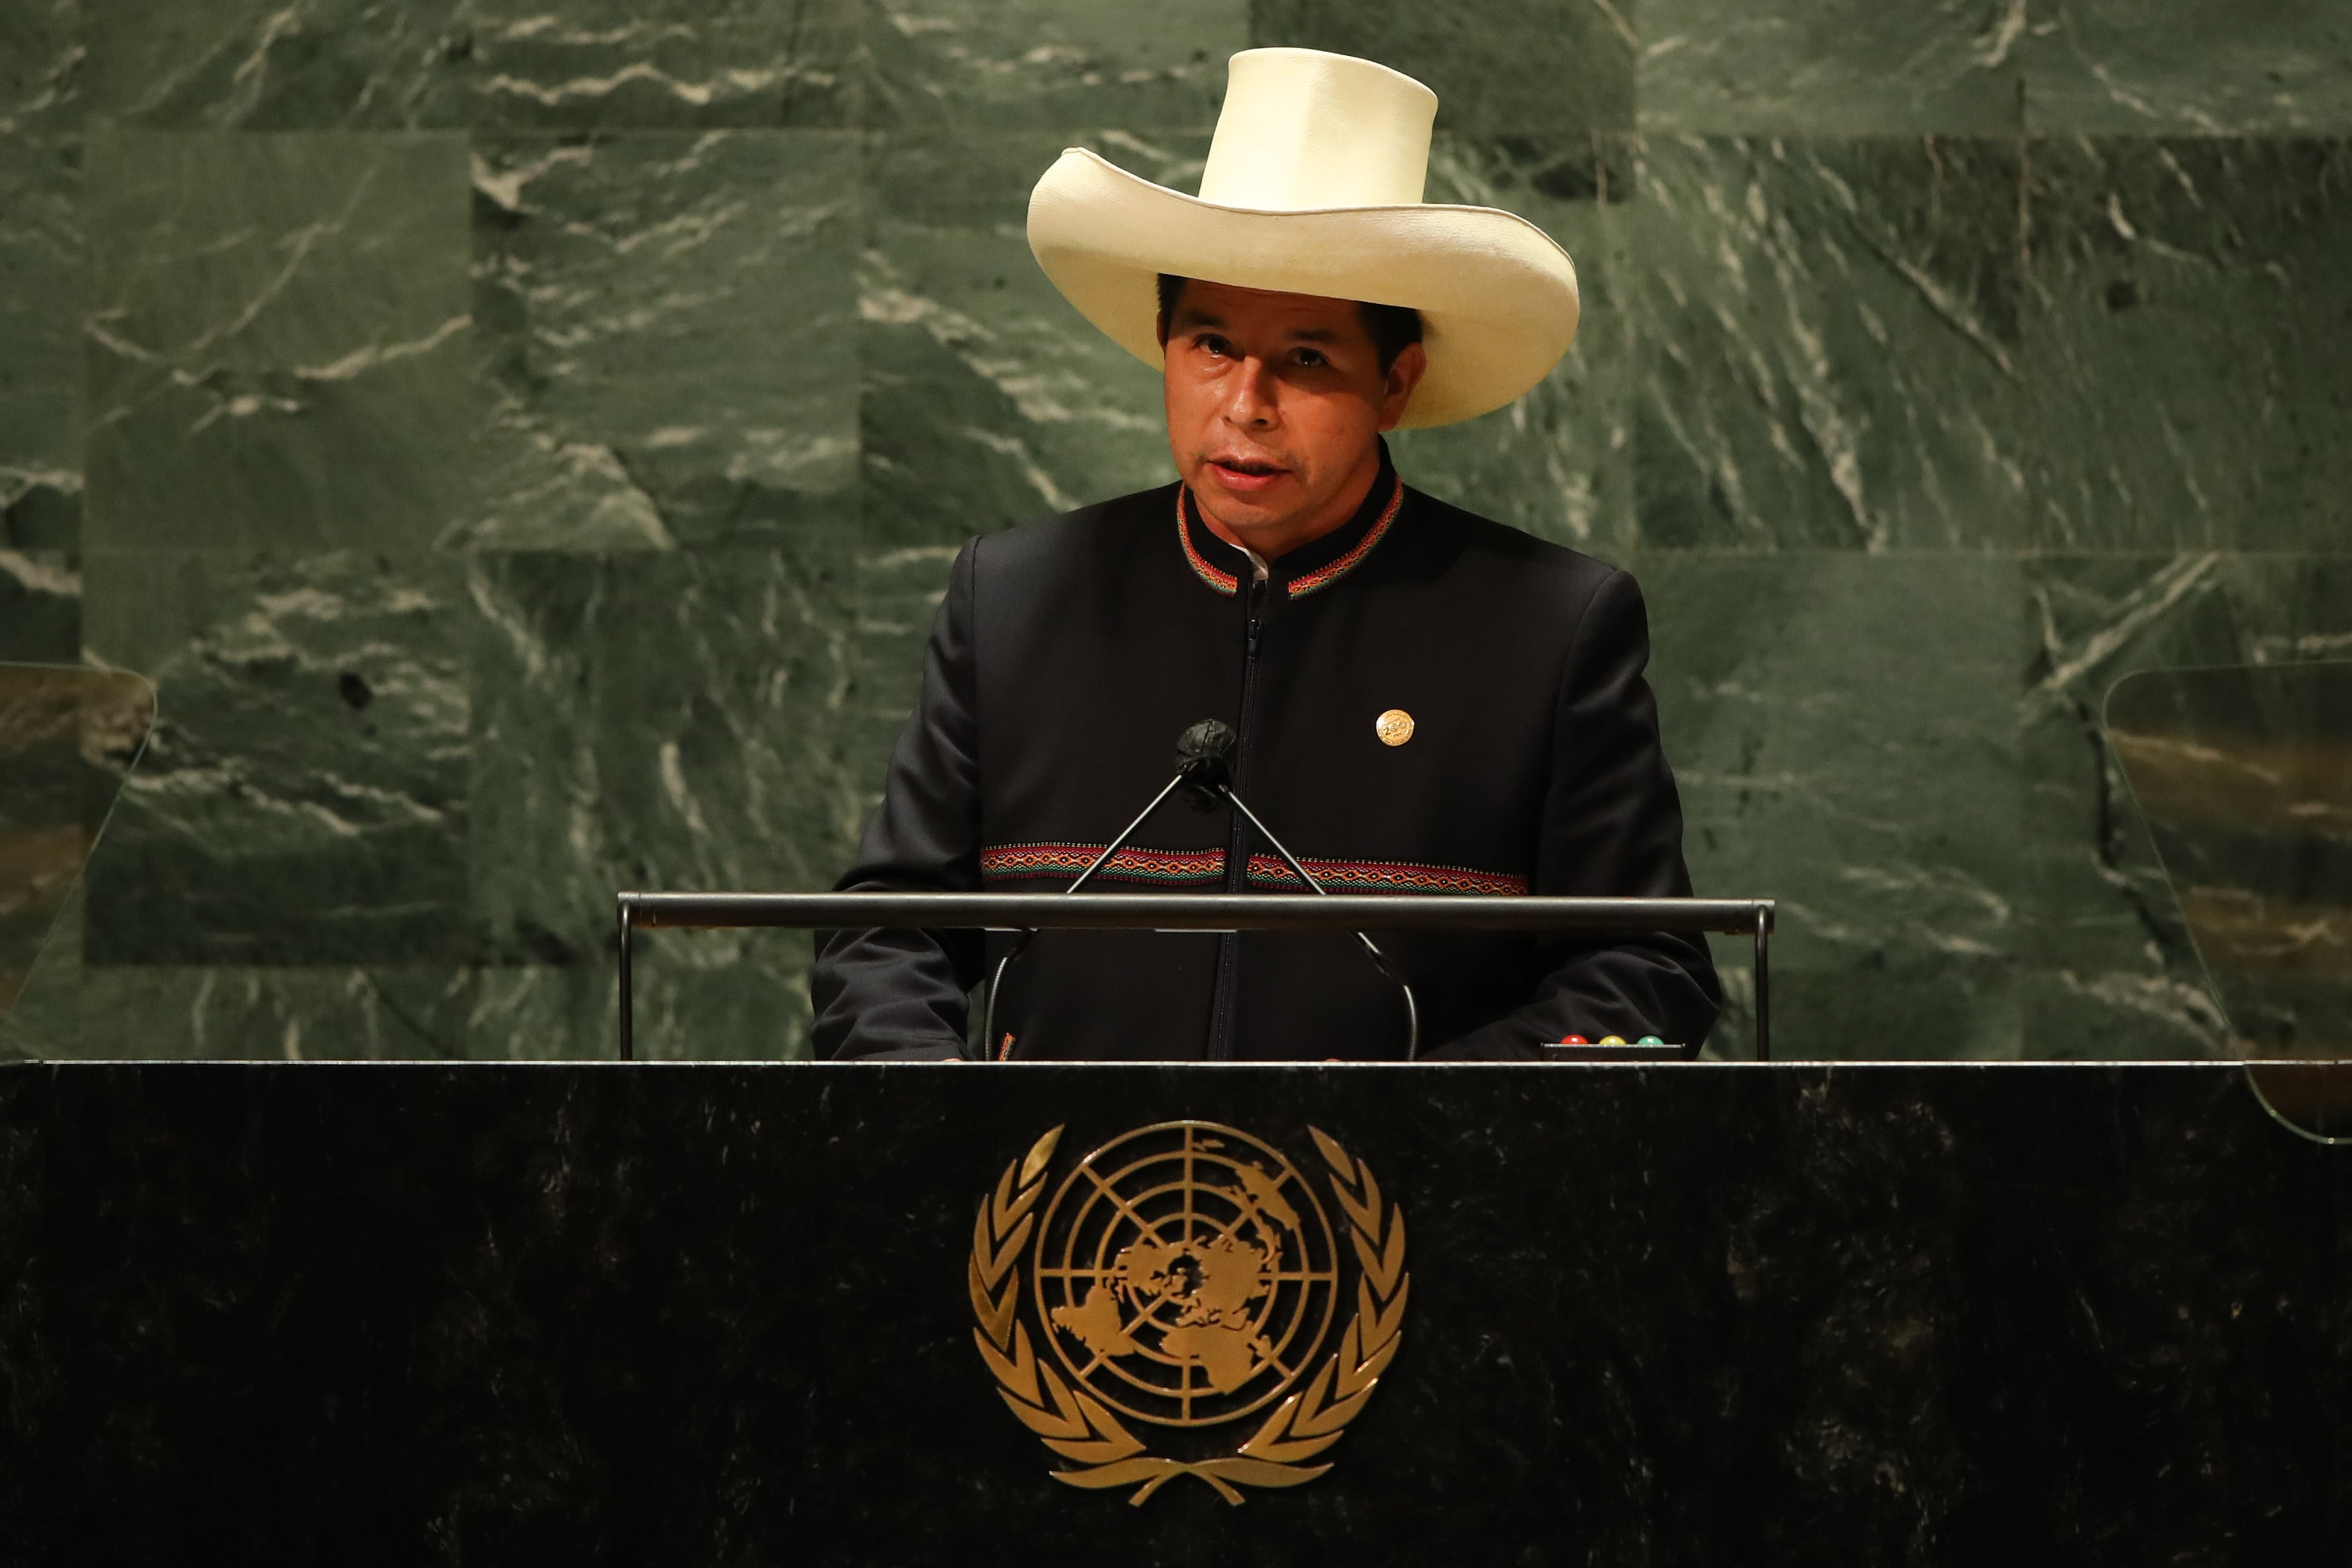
1575	1040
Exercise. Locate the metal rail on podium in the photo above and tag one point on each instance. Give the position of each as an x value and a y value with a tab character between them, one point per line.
1339	912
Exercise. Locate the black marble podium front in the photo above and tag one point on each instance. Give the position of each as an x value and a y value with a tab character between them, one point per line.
1682	1314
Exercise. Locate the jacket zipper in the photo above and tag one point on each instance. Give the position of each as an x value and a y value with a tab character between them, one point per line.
1221	1030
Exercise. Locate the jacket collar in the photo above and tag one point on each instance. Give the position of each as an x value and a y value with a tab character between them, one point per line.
1310	568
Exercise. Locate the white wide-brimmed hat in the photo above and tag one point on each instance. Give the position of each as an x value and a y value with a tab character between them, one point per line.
1313	186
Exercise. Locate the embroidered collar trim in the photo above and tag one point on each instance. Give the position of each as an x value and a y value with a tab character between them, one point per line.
1322	578
1225	582
1313	581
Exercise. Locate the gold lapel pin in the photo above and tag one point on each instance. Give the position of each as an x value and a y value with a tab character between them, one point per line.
1394	727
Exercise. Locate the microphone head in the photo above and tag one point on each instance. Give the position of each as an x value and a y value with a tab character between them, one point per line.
1204	760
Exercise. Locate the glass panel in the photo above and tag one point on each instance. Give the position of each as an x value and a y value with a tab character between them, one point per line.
68	739
2244	774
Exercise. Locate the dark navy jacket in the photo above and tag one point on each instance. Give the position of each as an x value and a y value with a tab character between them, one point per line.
1068	656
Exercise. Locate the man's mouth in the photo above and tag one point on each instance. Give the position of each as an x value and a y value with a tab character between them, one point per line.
1246	474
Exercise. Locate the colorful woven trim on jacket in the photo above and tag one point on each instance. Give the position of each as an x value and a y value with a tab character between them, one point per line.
1386	876
1316	581
1012	862
1225	582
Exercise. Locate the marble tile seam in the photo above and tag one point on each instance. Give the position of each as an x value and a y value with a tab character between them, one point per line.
1629	550
2029	134
819	537
1636	549
2164	550
921	134
1824	1066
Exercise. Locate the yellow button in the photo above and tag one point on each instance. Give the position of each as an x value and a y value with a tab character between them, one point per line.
1394	727
1613	1039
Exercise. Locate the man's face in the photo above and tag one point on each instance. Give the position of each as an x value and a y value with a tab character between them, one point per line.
1274	405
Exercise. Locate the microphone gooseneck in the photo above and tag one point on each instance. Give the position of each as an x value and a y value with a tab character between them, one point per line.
1204	773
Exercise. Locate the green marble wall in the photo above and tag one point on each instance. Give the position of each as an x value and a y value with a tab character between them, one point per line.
524	443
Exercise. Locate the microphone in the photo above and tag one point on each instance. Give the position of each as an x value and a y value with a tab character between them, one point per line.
1204	773
1205	762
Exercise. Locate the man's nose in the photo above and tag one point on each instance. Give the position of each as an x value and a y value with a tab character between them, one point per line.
1253	398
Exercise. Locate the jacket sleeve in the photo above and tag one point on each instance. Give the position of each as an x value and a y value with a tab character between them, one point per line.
901	994
1612	827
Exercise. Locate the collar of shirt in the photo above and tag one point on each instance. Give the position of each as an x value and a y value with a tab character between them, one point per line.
1310	568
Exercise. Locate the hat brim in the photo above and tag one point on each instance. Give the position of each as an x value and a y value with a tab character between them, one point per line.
1497	298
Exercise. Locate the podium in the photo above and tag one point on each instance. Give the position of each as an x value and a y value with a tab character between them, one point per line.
1679	1313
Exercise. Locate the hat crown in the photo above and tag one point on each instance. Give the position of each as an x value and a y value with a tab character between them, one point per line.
1303	131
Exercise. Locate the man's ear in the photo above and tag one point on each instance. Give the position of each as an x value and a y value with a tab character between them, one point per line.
1411	363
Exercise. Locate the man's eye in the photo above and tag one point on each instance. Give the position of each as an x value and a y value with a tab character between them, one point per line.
1211	343
1311	359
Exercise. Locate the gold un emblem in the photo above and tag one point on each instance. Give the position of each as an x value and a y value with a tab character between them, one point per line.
1184	1278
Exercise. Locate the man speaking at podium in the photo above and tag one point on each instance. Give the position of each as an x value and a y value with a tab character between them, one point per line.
1420	700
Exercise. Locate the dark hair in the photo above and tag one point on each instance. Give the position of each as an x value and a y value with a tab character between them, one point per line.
1390	327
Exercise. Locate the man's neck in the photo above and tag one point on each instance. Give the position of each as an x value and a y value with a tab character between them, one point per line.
1270	541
